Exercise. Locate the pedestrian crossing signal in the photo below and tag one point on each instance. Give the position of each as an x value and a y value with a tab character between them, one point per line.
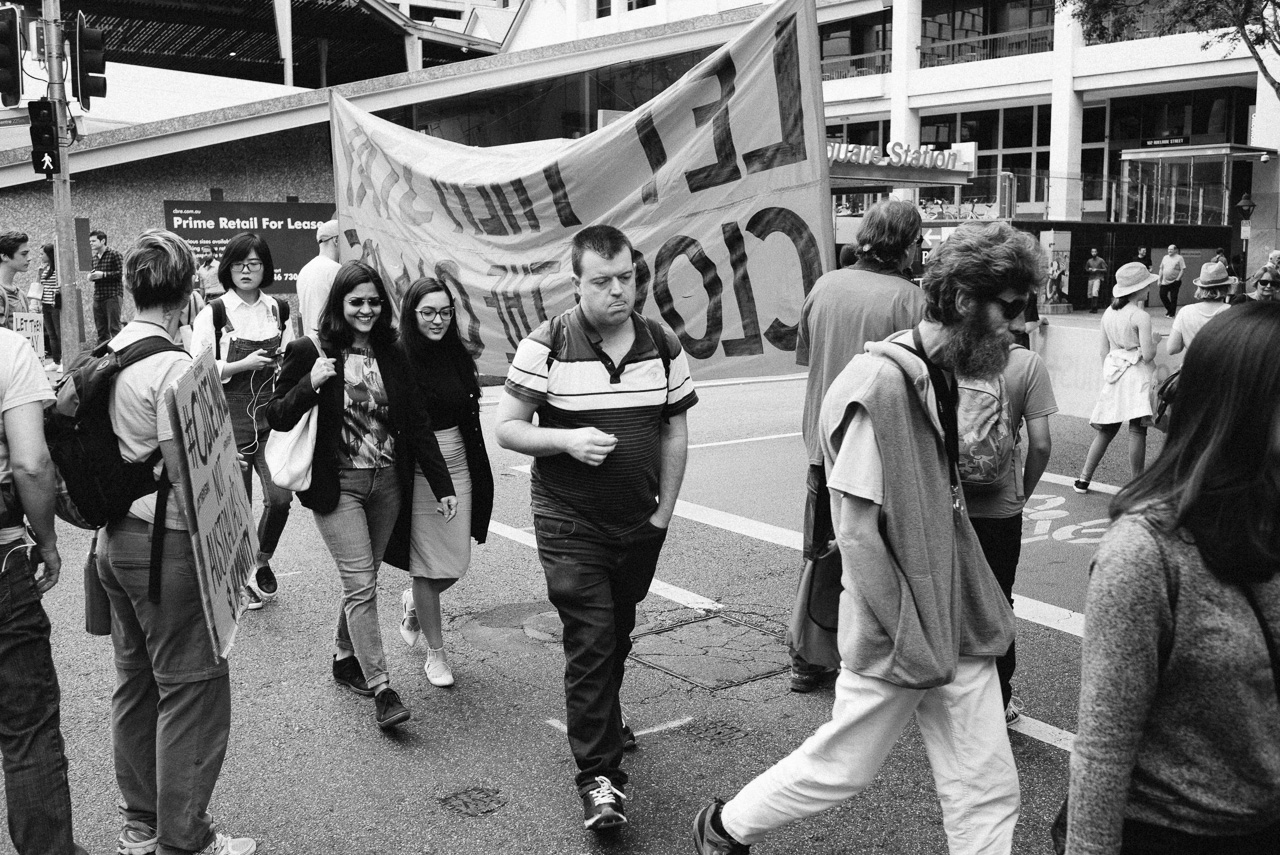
10	55
88	63
44	137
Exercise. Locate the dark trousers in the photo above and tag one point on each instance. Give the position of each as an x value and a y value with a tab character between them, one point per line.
1169	296
52	331
171	710
37	796
106	318
1145	838
1001	540
818	532
595	581
275	500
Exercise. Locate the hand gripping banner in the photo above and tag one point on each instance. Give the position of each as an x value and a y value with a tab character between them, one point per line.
720	182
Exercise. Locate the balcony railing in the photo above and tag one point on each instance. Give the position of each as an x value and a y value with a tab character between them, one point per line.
1017	43
1146	26
840	67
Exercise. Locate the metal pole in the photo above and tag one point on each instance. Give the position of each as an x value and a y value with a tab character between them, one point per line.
63	216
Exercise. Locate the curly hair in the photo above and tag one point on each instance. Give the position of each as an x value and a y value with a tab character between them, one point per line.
981	261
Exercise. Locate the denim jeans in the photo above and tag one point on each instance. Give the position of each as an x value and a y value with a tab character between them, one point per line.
52	331
595	581
357	532
1001	541
171	710
106	318
818	532
275	500
35	766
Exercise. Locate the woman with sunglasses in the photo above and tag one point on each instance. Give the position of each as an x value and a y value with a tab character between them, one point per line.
1128	353
1178	743
356	377
248	330
433	538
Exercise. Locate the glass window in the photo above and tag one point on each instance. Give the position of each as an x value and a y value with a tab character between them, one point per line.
835	133
632	5
1017	127
1020	166
864	133
983	186
604	8
1041	182
980	127
1042	13
836	39
970	19
1126	119
935	130
1013	15
1044	124
1095	125
1091	161
935	21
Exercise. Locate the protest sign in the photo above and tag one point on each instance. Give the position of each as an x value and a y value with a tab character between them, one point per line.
720	182
219	519
30	325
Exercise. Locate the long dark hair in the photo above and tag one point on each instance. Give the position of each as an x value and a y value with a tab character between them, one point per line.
50	251
1219	473
334	331
237	250
419	349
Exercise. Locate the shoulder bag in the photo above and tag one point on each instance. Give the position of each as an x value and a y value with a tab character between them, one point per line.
289	453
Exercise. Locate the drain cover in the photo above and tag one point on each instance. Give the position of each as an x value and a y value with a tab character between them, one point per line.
716	731
714	652
474	801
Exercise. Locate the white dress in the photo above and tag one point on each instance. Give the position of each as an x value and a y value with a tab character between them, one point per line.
1126	379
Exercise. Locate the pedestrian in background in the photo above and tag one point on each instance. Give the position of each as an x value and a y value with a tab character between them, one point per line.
248	331
51	306
108	286
1267	287
357	380
1212	286
15	258
207	272
1142	257
1270	266
1128	349
171	710
433	539
1095	270
1171	269
1177	751
316	277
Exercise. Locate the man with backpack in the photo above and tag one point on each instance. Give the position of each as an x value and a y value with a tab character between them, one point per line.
35	765
171	710
611	390
997	480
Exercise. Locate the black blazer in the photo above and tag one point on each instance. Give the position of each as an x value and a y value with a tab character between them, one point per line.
294	396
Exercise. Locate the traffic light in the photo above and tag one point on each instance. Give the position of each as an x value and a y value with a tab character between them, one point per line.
10	55
88	63
44	137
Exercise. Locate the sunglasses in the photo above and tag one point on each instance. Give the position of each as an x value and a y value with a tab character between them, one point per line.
371	302
429	315
1011	309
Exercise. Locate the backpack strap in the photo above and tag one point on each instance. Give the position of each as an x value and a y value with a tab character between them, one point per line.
219	321
143	348
282	314
659	336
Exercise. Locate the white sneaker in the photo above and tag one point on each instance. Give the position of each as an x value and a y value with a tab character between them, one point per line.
225	845
409	628
437	668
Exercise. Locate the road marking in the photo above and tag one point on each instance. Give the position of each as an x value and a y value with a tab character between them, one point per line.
1055	736
558	725
524	538
748	439
747	381
290	573
671	725
1068	481
1049	615
740	525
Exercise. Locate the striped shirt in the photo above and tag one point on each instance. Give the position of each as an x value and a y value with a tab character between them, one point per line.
48	286
579	386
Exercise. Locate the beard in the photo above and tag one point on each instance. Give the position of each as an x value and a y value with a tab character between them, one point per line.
974	350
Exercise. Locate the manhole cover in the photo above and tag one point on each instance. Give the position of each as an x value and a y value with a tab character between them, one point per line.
474	801
716	731
714	652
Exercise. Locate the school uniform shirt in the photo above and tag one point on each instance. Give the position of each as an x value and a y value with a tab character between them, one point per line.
256	321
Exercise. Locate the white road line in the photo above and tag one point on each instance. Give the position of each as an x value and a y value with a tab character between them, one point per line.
748	439
1049	615
745	381
1055	736
524	538
290	573
740	525
671	725
558	725
1068	481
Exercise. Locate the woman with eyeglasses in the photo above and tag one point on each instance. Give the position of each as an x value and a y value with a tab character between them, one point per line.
1128	353
433	538
248	330
357	379
1177	750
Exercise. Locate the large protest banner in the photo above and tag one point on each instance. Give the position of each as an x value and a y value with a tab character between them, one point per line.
219	519
289	228
30	325
720	182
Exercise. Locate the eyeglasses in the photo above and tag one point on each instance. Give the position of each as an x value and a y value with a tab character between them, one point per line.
430	315
326	240
371	302
1012	308
246	265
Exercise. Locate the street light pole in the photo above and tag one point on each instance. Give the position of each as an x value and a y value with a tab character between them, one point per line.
63	216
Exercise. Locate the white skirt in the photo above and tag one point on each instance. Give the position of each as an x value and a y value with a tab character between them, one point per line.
439	549
1126	388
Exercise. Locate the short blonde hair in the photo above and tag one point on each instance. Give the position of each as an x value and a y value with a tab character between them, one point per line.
158	269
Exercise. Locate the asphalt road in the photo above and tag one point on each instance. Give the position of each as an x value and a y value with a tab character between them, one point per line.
484	767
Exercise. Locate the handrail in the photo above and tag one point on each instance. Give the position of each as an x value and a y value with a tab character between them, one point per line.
1013	43
876	62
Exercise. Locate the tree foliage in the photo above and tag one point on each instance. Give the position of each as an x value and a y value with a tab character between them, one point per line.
1252	23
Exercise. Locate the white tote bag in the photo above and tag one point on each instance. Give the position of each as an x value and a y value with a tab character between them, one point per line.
289	453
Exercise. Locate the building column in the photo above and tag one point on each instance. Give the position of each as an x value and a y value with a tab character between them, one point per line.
904	121
1066	187
412	53
284	33
1264	227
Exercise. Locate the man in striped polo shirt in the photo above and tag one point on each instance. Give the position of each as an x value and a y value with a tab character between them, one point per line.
610	390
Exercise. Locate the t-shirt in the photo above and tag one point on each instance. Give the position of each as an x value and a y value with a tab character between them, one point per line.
1171	267
1192	319
857	469
845	310
315	279
139	415
22	381
629	400
1030	391
366	414
1096	267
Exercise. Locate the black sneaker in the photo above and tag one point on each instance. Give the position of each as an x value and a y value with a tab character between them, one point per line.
811	678
254	601
347	672
710	840
265	580
628	738
1080	485
602	807
390	711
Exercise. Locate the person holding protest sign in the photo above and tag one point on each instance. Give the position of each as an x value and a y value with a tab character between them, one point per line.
357	379
431	542
171	710
248	330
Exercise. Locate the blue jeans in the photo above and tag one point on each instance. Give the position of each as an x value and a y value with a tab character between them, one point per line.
357	532
35	765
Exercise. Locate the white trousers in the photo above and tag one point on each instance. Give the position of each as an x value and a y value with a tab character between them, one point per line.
964	734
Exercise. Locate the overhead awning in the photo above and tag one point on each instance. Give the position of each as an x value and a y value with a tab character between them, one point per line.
1233	151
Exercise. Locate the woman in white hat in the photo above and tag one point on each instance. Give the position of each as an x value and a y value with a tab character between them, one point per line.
1212	288
1128	350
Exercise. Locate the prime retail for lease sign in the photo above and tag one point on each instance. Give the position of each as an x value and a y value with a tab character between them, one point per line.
720	182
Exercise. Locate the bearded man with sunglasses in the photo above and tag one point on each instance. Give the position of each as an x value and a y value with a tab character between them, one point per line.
922	618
